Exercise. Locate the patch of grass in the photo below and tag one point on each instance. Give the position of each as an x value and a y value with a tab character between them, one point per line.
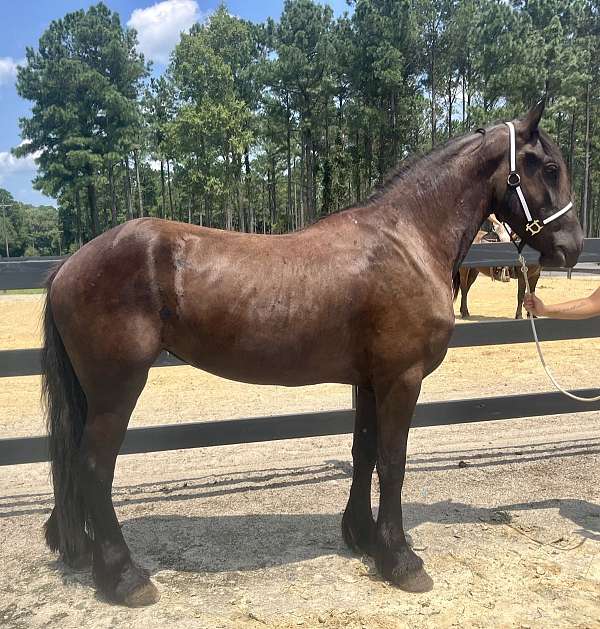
23	291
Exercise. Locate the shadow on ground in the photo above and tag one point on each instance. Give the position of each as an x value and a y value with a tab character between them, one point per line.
184	489
238	543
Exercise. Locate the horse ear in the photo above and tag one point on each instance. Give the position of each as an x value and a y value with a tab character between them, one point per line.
532	119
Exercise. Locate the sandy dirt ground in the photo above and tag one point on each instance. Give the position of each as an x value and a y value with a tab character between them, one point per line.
505	514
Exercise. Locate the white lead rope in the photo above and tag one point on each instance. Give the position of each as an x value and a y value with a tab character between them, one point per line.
524	270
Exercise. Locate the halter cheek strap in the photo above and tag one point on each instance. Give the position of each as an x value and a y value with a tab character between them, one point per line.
514	181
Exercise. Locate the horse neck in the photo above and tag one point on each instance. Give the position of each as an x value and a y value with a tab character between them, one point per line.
443	199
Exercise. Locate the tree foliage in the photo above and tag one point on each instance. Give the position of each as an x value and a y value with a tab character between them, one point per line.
266	127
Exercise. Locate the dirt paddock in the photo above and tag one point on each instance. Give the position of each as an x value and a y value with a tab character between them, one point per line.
505	514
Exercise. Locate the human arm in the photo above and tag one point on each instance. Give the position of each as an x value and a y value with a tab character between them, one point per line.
575	309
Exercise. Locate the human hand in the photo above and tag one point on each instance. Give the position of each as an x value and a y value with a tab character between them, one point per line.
534	305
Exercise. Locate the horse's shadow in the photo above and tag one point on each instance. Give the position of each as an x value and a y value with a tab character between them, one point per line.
239	543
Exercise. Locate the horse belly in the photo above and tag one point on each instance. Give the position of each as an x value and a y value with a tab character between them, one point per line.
262	347
264	360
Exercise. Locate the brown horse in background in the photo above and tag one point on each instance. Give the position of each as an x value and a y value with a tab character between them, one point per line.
363	297
468	275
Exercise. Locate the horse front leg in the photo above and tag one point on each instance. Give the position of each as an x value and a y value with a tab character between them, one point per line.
395	560
358	526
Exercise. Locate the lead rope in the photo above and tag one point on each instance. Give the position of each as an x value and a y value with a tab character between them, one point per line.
524	270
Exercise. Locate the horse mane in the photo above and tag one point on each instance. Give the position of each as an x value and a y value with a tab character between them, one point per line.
409	163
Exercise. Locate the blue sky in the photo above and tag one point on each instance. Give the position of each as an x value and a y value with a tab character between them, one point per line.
158	23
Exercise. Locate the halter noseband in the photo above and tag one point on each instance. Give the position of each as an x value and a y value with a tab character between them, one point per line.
514	181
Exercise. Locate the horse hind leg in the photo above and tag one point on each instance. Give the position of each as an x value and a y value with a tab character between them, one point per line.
91	389
117	576
358	526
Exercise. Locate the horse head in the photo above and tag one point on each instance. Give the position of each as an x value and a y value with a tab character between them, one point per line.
532	191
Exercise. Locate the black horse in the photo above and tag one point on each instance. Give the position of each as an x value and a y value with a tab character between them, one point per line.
363	297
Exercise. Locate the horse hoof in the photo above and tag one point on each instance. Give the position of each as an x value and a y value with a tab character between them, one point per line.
145	594
405	570
132	588
417	582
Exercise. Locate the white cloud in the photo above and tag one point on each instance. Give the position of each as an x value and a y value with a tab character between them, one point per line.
11	165
160	25
8	70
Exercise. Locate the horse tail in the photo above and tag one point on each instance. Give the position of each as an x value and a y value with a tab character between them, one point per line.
66	408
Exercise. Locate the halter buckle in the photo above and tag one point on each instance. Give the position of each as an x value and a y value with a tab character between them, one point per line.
534	227
513	179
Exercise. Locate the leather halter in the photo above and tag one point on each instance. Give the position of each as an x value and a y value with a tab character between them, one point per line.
534	226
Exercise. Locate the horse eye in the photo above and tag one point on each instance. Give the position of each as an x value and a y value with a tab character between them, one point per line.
551	169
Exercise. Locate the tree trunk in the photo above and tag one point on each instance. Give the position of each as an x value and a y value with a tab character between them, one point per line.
432	78
310	183
139	187
228	212
288	154
381	166
79	222
571	143
163	207
238	192
128	190
93	209
302	183
394	114
170	190
586	177
264	204
450	105
251	216
113	196
464	111
357	187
